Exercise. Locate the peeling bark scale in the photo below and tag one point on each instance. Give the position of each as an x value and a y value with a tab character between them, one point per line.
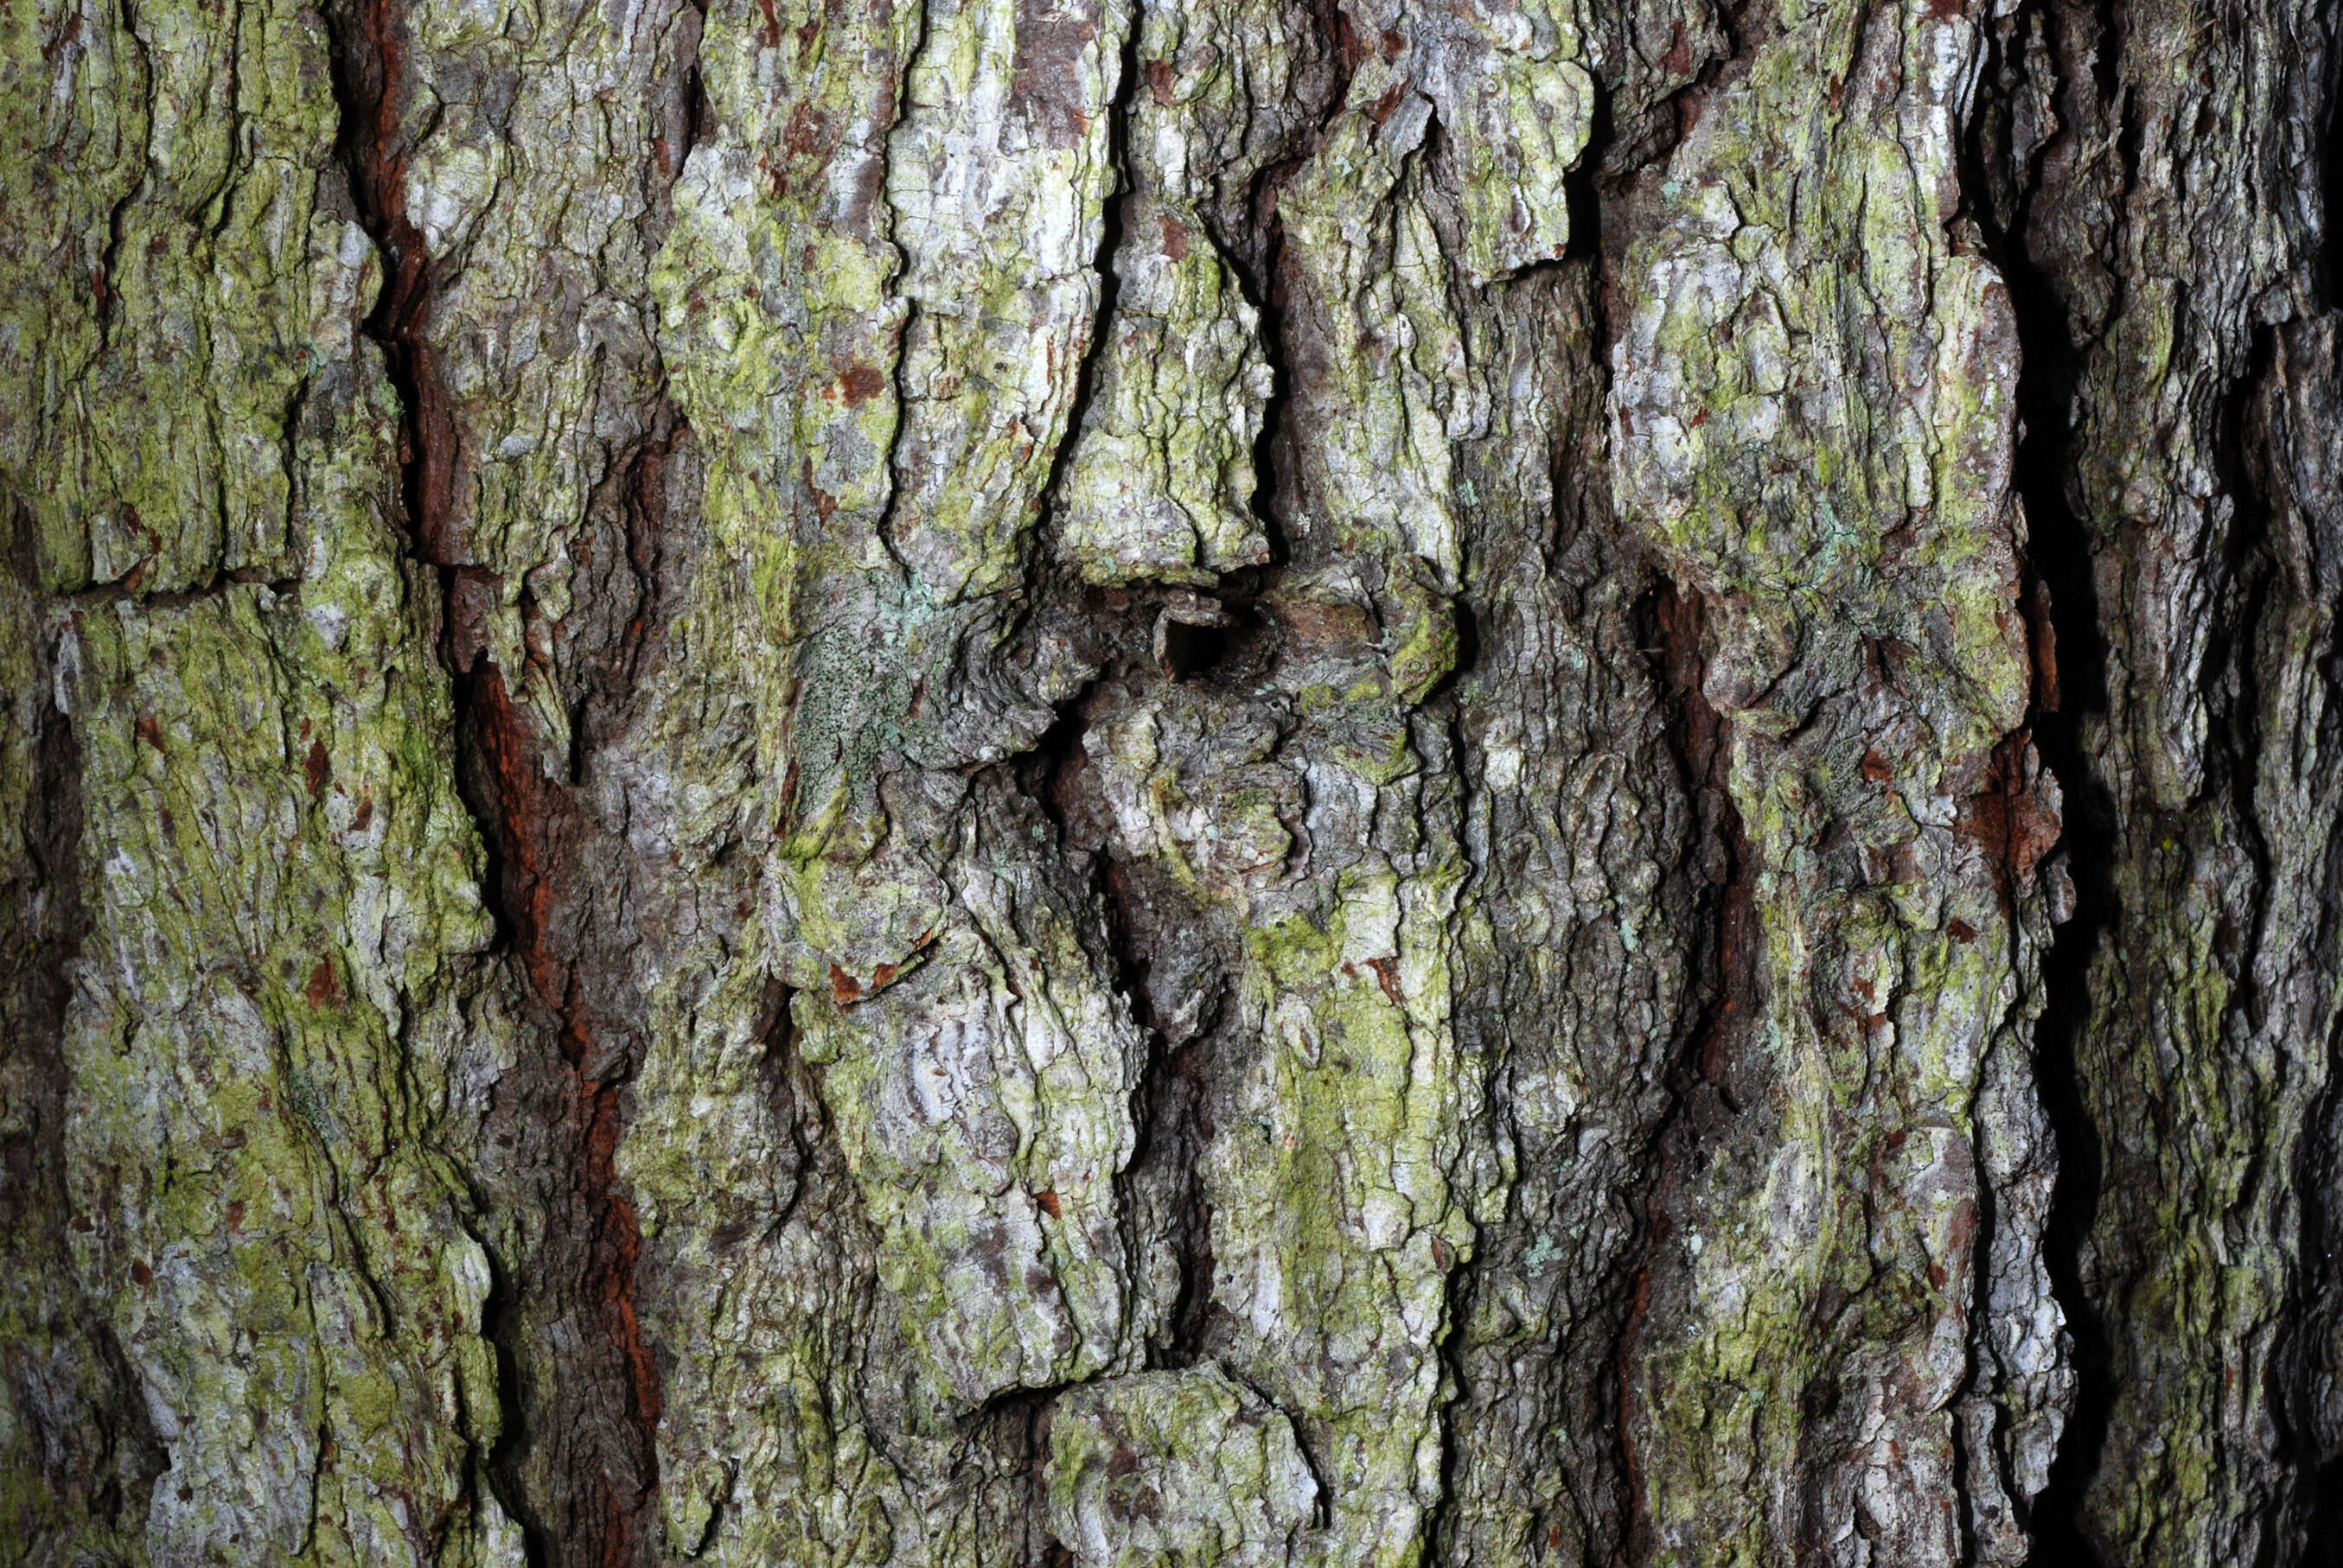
952	782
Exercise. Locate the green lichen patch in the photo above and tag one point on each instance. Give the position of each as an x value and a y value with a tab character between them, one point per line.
1177	1468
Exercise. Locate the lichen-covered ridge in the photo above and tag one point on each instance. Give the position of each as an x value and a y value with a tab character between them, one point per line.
943	782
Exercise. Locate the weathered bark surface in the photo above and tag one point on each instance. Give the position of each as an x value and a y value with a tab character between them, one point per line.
1120	781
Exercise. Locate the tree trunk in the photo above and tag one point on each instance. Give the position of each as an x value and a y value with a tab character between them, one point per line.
1171	781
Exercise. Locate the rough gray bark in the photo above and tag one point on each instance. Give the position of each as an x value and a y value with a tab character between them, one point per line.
1121	783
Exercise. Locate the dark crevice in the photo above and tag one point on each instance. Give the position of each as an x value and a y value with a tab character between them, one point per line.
1267	295
2000	181
127	589
688	118
592	1238
601	1407
1655	128
793	1091
1261	265
1459	1289
2327	270
1580	190
368	58
500	1326
700	109
1190	649
1724	980
1011	1431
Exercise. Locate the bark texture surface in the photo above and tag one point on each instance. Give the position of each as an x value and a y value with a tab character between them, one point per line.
1112	782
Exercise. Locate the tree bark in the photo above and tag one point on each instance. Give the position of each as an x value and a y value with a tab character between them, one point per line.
1121	783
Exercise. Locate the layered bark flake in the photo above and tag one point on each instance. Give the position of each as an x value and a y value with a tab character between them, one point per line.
944	783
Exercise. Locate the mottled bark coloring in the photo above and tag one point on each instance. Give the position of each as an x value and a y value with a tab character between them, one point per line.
1117	782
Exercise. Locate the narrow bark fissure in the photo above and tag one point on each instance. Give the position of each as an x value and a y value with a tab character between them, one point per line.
2070	656
109	309
898	387
1011	1431
1620	160
1111	231
1258	260
1265	293
368	58
1724	980
793	1094
127	591
531	829
1463	1279
1457	1311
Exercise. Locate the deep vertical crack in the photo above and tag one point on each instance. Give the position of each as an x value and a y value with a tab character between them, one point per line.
1724	983
1112	222
530	829
2000	180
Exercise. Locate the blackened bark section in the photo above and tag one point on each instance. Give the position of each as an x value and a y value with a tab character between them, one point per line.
577	908
78	1417
583	1457
578	1464
1580	1002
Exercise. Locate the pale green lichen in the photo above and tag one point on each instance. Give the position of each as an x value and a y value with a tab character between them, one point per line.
998	177
1519	108
1181	1469
279	878
1850	495
175	281
1160	485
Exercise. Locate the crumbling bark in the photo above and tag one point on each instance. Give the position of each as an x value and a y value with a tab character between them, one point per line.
1115	781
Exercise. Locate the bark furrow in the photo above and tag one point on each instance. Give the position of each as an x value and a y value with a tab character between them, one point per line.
1119	781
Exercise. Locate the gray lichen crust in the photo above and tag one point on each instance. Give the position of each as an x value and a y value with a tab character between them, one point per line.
945	782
